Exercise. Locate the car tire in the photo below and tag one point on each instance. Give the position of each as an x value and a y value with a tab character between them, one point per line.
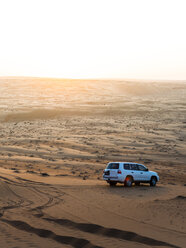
137	183
153	181
112	184
128	181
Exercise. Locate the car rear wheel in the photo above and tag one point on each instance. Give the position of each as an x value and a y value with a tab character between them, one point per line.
112	183
128	181
153	181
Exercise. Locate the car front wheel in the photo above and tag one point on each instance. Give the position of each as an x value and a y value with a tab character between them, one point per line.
153	181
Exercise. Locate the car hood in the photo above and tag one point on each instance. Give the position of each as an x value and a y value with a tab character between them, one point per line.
153	172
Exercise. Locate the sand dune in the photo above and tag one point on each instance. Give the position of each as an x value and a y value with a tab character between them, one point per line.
56	136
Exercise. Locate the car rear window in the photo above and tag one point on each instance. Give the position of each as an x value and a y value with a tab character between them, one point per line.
113	166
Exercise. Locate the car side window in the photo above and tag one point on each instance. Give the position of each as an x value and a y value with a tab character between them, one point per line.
126	166
134	167
141	167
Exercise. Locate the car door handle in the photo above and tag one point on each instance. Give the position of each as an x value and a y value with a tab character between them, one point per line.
141	172
132	172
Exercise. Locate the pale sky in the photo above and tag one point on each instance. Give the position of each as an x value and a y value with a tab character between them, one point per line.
142	39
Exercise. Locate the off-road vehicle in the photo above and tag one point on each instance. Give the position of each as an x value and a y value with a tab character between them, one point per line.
129	173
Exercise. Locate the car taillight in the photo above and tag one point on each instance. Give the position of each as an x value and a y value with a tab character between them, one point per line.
119	172
103	171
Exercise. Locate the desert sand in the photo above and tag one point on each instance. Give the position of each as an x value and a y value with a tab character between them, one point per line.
56	137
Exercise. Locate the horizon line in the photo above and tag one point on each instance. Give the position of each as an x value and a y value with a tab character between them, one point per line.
95	78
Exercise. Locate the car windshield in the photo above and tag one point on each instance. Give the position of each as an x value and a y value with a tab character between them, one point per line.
113	166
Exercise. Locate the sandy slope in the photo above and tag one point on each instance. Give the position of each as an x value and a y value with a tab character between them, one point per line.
45	212
56	137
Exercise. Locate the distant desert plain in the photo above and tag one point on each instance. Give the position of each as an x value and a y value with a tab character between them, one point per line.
56	137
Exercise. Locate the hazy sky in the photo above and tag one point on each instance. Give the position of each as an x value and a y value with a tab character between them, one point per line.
93	38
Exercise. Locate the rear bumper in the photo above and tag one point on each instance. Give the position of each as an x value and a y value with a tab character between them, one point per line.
110	178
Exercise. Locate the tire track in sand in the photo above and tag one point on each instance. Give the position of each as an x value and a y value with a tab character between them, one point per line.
44	233
110	232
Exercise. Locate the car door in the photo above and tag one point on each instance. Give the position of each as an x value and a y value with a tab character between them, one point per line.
127	169
143	173
135	172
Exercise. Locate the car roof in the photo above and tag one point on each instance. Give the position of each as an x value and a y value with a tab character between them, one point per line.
124	162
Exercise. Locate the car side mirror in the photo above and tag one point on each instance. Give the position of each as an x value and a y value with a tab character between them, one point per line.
147	169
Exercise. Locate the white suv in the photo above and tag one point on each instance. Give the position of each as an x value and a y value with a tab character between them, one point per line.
128	173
